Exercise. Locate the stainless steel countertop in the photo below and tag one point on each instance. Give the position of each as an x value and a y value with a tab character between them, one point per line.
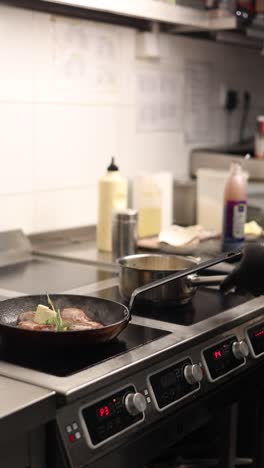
84	250
23	407
73	244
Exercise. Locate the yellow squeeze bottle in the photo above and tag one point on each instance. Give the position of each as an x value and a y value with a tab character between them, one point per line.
113	195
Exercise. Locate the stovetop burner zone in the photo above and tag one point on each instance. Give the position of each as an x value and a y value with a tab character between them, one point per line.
206	303
65	362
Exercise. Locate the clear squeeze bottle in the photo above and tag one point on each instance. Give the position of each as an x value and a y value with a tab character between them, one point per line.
235	208
149	216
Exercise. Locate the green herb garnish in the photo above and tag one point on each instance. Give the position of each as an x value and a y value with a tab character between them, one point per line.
57	321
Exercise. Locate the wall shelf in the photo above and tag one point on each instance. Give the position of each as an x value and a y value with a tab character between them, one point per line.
216	25
152	10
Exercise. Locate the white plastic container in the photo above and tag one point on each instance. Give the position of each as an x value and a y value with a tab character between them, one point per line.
153	193
164	182
147	200
113	195
210	198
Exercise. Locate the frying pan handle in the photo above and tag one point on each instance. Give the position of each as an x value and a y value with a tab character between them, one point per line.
206	280
181	274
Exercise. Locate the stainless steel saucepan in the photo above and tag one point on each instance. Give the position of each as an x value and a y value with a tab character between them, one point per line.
136	271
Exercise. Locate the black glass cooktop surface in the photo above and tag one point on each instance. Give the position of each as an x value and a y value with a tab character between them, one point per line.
206	303
65	362
41	275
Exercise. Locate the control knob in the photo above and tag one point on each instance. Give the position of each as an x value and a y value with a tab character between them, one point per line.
240	349
193	373
135	403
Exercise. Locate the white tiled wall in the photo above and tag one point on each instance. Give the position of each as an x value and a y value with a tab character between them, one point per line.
68	102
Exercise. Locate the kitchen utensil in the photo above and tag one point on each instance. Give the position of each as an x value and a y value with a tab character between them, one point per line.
113	315
138	270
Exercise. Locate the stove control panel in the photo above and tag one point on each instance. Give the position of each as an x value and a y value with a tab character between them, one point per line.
255	337
175	383
113	415
225	357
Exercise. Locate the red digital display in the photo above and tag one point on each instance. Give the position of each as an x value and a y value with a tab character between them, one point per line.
256	336
217	354
104	411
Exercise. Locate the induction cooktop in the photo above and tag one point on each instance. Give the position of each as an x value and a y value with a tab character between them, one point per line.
68	361
206	303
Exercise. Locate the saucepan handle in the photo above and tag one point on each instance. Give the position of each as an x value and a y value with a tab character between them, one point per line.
181	274
195	280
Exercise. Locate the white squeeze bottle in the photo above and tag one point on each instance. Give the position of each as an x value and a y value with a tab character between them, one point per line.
113	195
235	208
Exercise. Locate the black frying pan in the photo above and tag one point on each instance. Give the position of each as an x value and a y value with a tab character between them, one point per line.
113	315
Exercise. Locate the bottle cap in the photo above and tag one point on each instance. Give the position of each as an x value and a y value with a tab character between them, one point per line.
125	215
113	167
260	125
236	167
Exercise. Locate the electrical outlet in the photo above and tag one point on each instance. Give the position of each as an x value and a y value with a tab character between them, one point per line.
231	100
228	98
